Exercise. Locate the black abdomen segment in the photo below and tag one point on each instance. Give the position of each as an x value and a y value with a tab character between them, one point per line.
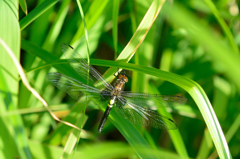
104	118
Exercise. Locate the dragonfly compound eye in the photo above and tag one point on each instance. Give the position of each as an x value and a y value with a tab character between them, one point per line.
123	77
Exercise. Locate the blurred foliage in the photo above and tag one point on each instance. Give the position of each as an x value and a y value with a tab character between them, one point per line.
173	44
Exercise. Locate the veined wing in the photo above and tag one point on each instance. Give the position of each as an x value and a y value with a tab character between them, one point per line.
142	116
74	87
149	100
82	67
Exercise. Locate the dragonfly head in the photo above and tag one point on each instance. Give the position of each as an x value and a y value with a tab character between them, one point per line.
123	77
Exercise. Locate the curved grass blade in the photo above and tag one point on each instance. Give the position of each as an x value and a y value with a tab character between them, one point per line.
197	94
10	38
223	25
204	36
34	92
138	37
34	14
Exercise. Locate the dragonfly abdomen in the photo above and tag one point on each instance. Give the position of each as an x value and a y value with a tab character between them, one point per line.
106	113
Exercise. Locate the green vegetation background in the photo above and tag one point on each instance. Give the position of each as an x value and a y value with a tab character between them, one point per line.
189	41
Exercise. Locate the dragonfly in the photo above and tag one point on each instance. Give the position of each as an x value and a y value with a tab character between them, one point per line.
135	107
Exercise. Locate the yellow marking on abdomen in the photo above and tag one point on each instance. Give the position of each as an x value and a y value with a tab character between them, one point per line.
111	102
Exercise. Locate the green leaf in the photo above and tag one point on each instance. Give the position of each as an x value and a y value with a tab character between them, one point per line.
10	34
57	26
74	138
23	5
219	52
34	14
223	25
94	13
115	25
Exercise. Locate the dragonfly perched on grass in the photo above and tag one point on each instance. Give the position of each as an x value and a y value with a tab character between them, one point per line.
135	107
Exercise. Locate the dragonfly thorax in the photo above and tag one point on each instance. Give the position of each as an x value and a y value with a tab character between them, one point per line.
119	85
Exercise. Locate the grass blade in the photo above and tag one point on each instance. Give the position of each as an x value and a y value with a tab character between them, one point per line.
223	25
23	5
10	40
36	13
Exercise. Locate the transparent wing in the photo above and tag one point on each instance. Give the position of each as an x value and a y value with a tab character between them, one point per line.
82	67
142	116
74	87
148	100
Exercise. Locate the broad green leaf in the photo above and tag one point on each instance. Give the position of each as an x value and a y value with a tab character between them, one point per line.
10	35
